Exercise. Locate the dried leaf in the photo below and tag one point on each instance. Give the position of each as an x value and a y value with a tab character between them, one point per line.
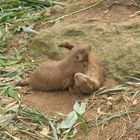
29	30
6	119
79	108
45	131
69	121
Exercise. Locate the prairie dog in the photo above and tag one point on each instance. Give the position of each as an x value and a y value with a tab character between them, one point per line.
58	75
92	77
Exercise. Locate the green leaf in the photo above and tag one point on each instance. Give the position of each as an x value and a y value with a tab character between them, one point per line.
1	34
2	62
72	117
79	108
83	124
11	93
13	75
12	62
69	121
28	30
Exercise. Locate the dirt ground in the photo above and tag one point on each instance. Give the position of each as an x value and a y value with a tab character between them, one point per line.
62	101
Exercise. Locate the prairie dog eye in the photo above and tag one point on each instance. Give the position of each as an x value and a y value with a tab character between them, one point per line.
78	57
83	50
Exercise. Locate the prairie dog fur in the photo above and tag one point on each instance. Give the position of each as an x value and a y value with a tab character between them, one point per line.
92	77
58	75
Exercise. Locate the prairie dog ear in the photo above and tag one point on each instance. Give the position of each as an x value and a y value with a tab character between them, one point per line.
66	45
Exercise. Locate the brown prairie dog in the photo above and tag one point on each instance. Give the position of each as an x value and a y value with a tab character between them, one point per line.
92	77
58	75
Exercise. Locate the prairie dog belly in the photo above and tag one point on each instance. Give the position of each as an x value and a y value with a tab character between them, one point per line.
46	77
50	77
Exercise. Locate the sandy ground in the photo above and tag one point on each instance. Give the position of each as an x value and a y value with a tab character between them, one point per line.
62	101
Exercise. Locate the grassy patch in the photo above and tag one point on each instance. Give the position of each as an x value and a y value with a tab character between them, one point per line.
17	13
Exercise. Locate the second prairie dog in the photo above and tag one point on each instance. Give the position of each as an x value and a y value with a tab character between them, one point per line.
58	75
92	77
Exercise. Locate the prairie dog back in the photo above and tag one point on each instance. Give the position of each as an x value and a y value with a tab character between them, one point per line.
92	77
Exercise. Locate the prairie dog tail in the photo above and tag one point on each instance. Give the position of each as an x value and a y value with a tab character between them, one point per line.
23	82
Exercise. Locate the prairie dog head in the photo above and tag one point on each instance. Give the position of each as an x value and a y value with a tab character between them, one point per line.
83	83
80	52
82	80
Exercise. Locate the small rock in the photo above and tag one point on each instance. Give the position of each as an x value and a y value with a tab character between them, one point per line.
49	24
104	96
110	98
47	13
56	9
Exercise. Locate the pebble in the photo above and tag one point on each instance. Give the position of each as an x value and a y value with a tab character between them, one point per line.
57	9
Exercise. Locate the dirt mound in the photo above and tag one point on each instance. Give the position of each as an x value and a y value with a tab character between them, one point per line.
119	44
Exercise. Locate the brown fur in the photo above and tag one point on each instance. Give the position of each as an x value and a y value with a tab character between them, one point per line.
92	76
55	75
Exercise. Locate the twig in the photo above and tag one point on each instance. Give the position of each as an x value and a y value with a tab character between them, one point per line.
46	3
128	114
133	78
135	14
54	130
119	89
14	138
133	84
136	94
33	135
123	131
44	136
90	106
109	118
101	89
75	12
